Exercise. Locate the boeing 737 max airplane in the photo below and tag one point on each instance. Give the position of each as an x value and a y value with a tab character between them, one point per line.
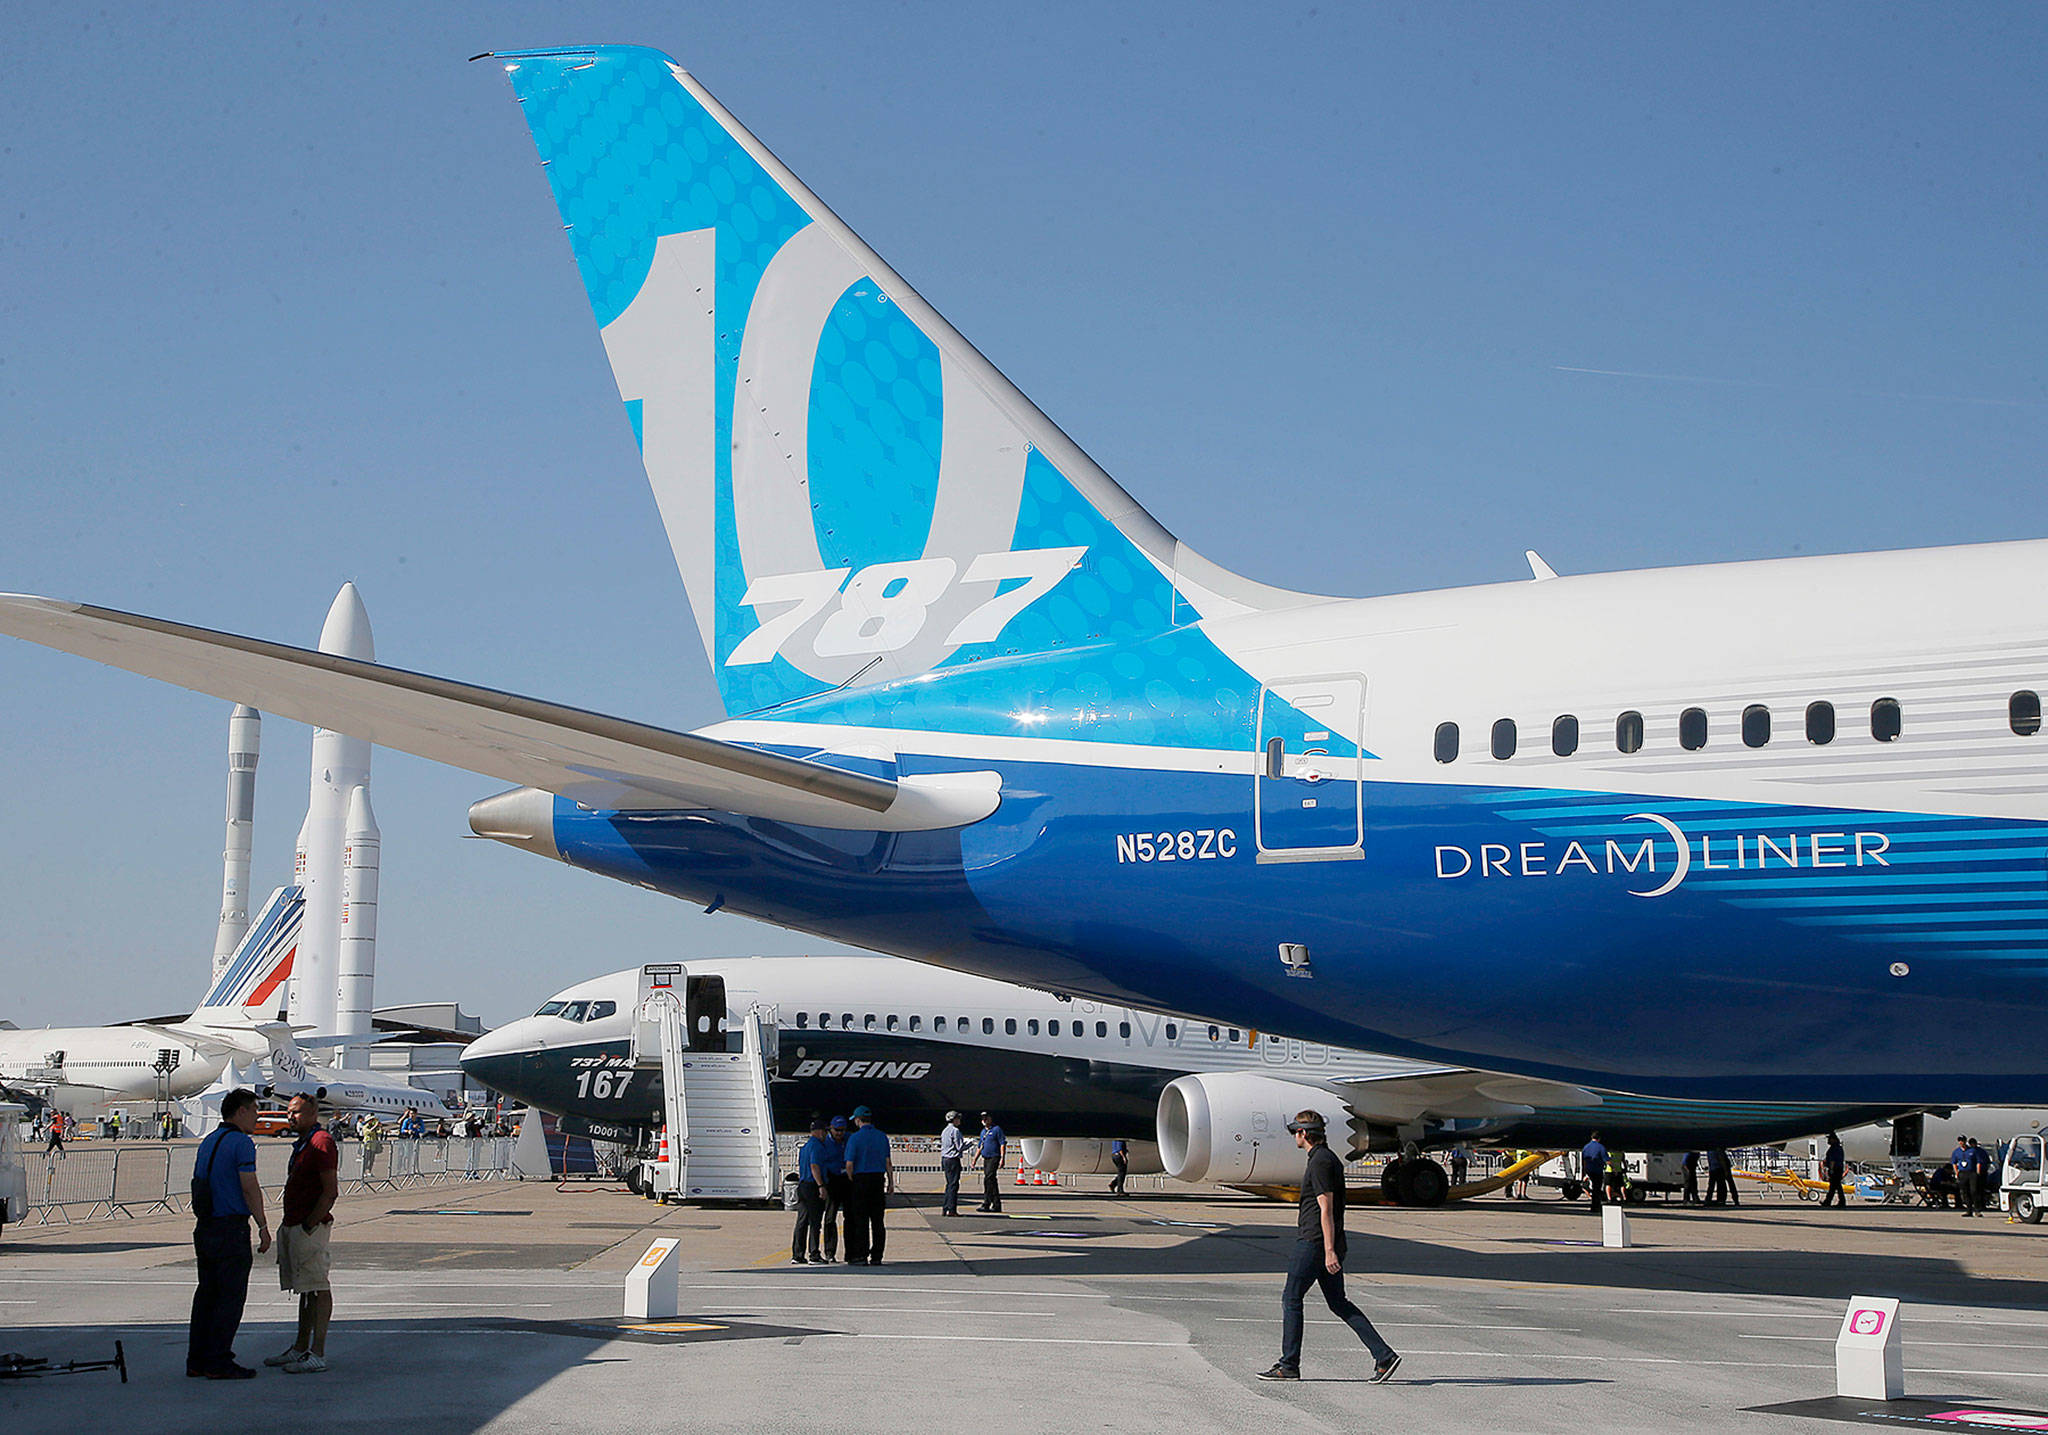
1753	831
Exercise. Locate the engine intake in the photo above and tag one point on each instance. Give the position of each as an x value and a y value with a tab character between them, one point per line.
1232	1127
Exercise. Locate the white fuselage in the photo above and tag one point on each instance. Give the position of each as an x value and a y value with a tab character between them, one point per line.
104	1065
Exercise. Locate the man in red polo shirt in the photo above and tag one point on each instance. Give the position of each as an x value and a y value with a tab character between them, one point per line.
302	1261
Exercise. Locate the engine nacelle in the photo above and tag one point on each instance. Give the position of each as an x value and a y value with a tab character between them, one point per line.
1089	1157
1232	1127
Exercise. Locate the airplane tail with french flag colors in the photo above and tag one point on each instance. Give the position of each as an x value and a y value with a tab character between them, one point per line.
854	495
253	987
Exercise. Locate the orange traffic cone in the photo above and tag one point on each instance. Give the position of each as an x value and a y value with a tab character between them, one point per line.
1020	1175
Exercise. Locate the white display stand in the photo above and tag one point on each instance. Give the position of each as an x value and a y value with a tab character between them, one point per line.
1614	1226
1870	1364
652	1284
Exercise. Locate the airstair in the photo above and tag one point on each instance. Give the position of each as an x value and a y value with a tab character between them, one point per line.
719	1144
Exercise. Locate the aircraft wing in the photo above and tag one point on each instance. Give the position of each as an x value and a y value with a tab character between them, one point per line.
1453	1092
600	762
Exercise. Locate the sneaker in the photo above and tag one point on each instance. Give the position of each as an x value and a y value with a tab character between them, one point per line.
231	1372
1280	1372
307	1364
799	1261
1384	1371
814	1259
277	1361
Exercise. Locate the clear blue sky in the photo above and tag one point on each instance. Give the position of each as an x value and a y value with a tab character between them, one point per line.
284	301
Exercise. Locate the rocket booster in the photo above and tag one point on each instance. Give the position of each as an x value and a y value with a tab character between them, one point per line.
245	743
341	764
362	850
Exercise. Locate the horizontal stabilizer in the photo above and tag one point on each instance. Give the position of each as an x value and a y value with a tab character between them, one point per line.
600	762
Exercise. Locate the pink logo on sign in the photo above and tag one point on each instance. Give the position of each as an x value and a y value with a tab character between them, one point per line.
1866	1322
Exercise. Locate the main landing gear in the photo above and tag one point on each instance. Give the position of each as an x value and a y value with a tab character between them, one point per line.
1414	1181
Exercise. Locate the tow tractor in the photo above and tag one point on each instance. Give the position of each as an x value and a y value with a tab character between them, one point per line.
2019	1185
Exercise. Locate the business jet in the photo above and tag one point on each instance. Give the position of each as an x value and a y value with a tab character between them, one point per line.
1200	1100
1738	832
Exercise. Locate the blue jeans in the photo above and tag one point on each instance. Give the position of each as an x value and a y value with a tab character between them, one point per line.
1306	1269
951	1166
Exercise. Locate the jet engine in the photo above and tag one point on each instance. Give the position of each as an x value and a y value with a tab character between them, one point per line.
1088	1157
1232	1127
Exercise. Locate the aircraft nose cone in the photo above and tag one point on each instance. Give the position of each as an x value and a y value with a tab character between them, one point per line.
498	1070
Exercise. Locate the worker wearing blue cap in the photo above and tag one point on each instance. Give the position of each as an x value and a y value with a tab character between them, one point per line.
873	1178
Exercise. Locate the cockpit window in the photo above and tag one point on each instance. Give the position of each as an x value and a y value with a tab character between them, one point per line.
573	1011
600	1010
550	1008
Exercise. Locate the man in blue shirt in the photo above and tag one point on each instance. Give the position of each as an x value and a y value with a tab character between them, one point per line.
225	1197
873	1178
1593	1166
815	1163
1964	1162
991	1153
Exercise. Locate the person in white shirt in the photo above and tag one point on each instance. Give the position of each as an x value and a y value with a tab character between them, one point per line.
952	1147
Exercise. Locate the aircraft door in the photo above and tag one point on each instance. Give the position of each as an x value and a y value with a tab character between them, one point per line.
1308	786
704	1009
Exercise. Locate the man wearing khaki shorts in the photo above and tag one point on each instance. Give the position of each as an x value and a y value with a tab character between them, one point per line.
312	1183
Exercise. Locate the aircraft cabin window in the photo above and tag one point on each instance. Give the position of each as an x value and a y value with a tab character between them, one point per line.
1052	1028
1885	720
916	1022
1102	1028
1446	742
549	1008
1820	723
1123	1029
1756	725
1172	1032
892	1021
1504	739
988	1026
1276	757
938	1023
846	1020
1692	729
868	1022
1564	736
962	1025
1032	1026
2024	713
803	1021
1233	1033
600	1010
1628	732
1215	1033
1010	1026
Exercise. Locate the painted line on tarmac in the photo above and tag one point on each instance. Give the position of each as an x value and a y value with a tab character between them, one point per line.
1004	1339
1679	1360
913	1310
1918	1344
1402	1324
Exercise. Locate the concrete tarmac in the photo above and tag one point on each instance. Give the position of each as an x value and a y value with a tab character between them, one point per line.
496	1307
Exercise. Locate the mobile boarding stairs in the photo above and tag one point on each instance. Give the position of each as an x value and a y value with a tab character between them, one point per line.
719	1141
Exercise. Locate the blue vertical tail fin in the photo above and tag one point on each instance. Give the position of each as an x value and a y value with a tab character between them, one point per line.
853	494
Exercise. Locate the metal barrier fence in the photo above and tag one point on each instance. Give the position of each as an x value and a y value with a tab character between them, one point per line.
96	1183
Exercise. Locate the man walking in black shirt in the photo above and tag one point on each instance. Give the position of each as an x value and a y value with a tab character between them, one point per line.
1319	1257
